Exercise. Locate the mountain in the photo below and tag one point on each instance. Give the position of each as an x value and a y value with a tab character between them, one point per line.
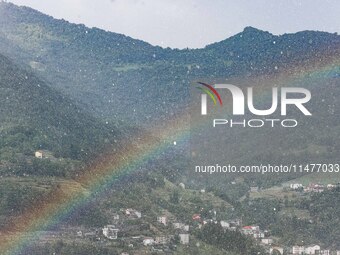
97	68
74	91
112	75
34	116
132	83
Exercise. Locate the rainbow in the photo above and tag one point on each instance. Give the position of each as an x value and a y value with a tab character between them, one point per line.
108	169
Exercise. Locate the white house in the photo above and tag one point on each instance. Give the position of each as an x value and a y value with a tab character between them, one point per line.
312	249
43	154
39	154
163	220
254	189
225	224
162	240
138	214
186	228
324	252
177	225
331	186
296	185
250	230
181	226
110	232
184	238
298	250
133	213
267	241
148	241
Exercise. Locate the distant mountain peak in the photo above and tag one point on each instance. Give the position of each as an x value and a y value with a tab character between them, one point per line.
254	31
250	29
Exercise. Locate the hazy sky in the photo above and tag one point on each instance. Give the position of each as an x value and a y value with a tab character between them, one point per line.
189	23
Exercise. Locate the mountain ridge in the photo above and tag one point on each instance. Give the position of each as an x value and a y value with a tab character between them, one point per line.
25	11
152	86
99	69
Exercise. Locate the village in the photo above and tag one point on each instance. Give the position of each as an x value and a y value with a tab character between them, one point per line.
131	230
165	244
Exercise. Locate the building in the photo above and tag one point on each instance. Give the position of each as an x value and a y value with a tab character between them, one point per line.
184	238
110	232
133	213
296	250
181	226
163	220
296	186
196	217
267	241
148	241
225	224
177	225
186	228
331	186
231	225
43	154
116	216
312	249
254	189
162	240
39	154
251	230
235	223
324	252
138	214
318	188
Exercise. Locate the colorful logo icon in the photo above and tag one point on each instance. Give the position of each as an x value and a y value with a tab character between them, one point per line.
211	92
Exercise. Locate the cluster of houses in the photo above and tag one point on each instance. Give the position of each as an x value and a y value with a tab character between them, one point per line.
253	231
231	225
111	232
180	228
180	231
301	250
312	250
313	187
